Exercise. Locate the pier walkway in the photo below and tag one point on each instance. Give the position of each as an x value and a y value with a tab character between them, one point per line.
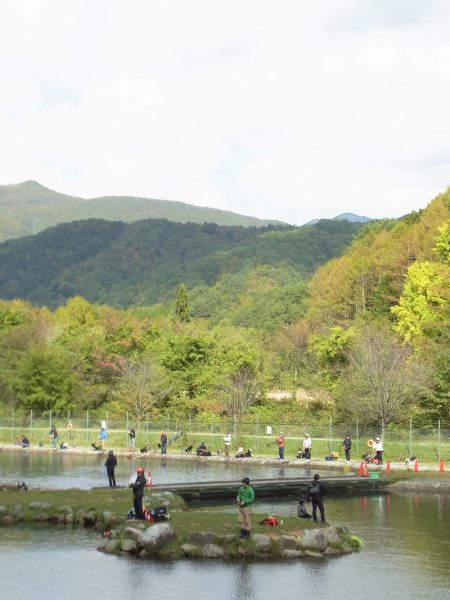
272	488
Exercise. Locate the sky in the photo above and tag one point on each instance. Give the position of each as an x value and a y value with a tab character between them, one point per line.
282	109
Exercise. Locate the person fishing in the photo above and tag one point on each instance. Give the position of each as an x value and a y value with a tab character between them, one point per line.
378	450
163	442
53	436
245	498
110	464
347	445
227	441
281	443
316	493
132	438
307	443
138	493
102	436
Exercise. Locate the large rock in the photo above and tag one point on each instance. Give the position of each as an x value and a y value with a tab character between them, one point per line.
41	505
313	554
288	542
262	542
108	517
212	551
89	519
129	545
109	546
333	535
331	552
132	533
191	550
202	537
313	539
288	553
156	537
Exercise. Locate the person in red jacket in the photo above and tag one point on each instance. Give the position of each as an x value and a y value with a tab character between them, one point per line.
138	493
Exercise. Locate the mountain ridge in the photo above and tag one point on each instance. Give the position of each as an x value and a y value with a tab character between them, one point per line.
29	207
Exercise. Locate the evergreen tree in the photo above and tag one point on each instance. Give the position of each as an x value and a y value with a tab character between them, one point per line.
182	304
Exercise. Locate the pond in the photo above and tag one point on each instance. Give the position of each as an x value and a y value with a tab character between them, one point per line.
60	470
405	552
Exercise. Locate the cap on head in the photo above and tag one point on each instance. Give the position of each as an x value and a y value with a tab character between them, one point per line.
306	434
246	480
140	470
377	439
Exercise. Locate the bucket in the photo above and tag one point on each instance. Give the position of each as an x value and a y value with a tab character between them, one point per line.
374	475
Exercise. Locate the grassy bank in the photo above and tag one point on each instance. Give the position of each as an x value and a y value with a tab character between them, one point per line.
35	504
396	446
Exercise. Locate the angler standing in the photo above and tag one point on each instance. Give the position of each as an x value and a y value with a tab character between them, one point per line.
245	498
138	493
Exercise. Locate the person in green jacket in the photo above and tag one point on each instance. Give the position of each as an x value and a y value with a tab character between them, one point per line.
245	498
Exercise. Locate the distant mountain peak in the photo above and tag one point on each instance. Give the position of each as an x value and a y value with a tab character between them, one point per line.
351	217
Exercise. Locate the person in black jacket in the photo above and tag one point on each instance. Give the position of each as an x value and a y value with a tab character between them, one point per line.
138	493
110	464
347	445
316	493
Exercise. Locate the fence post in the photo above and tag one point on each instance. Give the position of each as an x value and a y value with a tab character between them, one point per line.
330	448
439	440
357	436
257	433
410	438
13	426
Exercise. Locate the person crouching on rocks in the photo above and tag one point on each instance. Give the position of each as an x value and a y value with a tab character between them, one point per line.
138	493
245	498
301	510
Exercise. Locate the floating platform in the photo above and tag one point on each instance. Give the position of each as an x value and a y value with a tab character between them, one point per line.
274	488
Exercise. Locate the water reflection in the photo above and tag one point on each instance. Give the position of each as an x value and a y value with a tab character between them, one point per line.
59	470
405	556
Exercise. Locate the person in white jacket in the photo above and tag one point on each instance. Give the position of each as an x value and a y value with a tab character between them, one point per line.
378	450
227	440
307	447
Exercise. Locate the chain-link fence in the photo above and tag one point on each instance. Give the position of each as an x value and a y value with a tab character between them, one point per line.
82	429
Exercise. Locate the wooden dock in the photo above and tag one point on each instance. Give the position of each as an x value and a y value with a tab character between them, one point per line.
343	485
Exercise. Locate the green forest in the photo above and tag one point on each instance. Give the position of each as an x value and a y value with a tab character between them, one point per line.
142	263
358	319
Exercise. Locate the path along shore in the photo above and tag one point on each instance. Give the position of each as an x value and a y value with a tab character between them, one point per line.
427	479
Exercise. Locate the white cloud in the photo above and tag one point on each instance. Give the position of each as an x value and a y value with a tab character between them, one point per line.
336	106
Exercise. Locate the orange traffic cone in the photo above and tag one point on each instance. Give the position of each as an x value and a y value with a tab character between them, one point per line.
149	479
366	470
388	467
361	469
441	466
416	466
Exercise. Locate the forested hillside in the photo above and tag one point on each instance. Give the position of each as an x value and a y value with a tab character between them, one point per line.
27	208
144	262
367	337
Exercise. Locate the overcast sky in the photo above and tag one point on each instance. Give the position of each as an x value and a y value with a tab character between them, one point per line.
281	109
